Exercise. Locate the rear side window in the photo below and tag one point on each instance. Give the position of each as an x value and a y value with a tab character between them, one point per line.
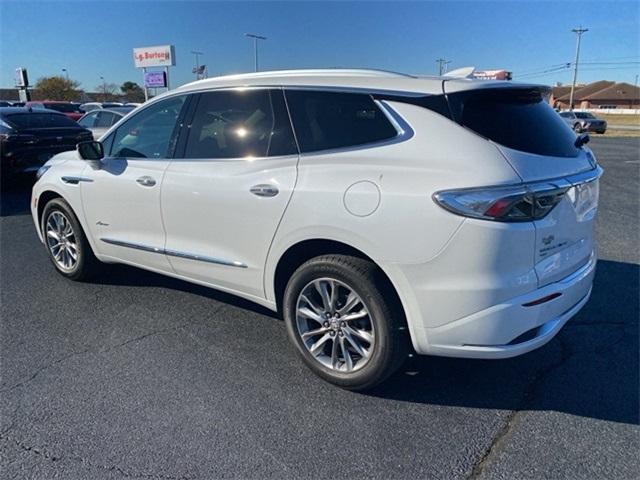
105	119
327	120
517	118
40	120
240	123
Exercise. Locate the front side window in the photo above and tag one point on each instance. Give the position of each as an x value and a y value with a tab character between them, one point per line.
148	134
89	120
327	120
240	124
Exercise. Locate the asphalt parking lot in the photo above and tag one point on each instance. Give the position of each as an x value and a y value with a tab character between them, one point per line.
142	376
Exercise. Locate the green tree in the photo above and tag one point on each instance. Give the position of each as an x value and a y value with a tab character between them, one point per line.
133	92
56	88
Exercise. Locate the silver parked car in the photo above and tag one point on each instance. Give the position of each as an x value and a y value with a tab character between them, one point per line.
584	122
101	120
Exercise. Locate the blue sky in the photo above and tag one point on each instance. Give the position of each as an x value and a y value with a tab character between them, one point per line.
93	39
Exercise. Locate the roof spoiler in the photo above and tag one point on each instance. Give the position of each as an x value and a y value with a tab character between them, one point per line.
464	72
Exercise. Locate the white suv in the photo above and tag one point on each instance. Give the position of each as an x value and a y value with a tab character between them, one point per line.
380	213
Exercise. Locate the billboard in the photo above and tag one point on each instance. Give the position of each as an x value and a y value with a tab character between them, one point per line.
161	56
155	79
22	80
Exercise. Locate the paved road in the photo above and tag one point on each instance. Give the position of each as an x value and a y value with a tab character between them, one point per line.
142	376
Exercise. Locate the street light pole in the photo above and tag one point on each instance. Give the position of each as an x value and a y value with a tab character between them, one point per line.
255	46
578	32
197	54
104	89
66	73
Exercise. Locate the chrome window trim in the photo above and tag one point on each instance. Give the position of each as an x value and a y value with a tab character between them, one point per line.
174	253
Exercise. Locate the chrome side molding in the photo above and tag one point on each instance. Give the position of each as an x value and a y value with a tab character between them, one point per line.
174	253
136	246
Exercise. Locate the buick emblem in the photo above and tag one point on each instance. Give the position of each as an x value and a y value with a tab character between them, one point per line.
548	240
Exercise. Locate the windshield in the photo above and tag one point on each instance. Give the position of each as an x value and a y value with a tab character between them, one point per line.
39	120
584	115
518	118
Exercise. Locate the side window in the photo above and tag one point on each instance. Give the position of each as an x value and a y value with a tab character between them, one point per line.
105	119
88	121
237	124
148	134
326	120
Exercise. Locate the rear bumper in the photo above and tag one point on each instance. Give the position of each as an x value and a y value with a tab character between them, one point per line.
510	328
27	160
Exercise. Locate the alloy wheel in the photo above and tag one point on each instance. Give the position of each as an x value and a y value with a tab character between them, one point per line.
61	241
335	325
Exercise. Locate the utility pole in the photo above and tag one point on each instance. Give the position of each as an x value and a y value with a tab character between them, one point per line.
255	46
578	31
197	67
442	65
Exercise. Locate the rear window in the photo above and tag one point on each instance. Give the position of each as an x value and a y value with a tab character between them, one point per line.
40	120
327	120
517	118
584	115
63	107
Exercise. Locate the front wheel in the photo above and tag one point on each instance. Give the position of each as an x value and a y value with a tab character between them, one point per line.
577	128
66	243
344	322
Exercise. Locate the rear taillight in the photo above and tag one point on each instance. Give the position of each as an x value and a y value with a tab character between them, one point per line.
518	203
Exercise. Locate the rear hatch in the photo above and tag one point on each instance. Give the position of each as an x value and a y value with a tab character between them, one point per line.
541	148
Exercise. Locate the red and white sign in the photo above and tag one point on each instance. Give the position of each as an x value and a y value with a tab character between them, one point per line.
492	74
162	56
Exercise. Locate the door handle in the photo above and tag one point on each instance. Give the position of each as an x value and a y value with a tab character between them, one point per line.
146	181
264	190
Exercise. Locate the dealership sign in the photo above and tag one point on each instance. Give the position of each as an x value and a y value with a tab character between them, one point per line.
155	79
162	56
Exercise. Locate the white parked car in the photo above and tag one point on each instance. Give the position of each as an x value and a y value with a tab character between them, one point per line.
381	213
100	120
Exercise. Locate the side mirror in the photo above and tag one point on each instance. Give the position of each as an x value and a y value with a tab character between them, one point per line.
91	150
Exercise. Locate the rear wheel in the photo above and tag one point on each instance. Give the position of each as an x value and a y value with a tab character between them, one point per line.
577	128
66	243
341	318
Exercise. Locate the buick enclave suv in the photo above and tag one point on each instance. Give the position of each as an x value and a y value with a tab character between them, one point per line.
381	214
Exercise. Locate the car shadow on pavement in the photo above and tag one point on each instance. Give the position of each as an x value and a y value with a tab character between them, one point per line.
590	369
15	195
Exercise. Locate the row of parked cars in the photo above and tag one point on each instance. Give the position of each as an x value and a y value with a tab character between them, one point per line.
32	132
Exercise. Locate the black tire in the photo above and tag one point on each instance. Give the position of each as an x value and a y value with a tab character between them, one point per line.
391	344
577	128
86	264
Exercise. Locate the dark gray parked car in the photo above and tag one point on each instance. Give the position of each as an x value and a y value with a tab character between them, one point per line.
584	122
